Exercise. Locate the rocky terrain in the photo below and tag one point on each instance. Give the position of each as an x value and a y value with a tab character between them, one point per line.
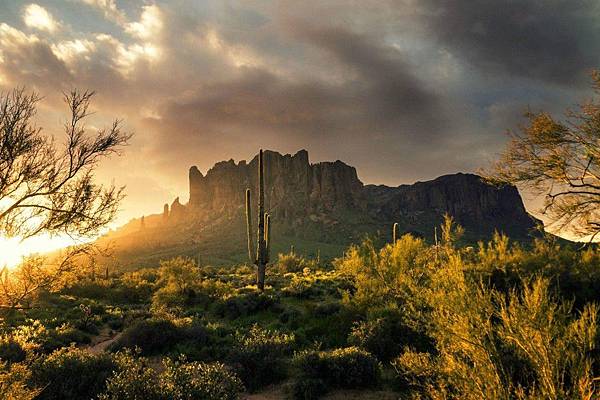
318	207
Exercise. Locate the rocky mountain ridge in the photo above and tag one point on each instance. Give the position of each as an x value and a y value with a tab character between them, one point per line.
325	203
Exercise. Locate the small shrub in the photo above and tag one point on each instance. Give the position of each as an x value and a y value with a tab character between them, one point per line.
72	373
291	262
13	383
258	356
244	305
387	335
308	389
62	336
415	370
347	368
151	336
11	351
200	381
134	380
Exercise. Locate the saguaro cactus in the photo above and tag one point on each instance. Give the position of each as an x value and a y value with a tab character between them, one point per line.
263	249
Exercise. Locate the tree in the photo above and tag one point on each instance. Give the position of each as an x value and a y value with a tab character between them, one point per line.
561	160
48	187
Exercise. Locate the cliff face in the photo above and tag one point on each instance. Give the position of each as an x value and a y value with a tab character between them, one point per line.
294	187
299	192
314	206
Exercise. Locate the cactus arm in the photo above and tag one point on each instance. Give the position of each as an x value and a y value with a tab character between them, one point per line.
267	238
249	228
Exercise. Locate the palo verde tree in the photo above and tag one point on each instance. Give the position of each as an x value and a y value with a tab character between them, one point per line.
561	160
263	248
47	185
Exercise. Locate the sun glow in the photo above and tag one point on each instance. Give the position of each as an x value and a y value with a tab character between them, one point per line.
13	250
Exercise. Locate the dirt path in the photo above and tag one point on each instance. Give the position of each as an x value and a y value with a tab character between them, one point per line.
278	392
103	340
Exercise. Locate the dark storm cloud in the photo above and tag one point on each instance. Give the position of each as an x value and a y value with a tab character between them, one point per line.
385	83
549	40
378	92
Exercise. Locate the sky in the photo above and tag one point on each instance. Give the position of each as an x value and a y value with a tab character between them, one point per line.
404	90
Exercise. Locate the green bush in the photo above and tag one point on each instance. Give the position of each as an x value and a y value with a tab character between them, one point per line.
292	262
386	334
11	351
200	381
151	336
416	371
347	368
246	304
72	373
62	336
133	380
13	383
258	356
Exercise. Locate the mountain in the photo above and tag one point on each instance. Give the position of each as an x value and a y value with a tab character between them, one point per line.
320	207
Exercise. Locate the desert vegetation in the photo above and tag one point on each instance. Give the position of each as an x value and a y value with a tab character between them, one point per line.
407	320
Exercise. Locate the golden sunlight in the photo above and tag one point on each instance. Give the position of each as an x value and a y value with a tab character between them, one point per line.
12	250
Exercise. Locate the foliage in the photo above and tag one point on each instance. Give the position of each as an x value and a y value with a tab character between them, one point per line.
244	304
200	381
559	159
13	383
386	333
292	262
48	189
133	380
258	356
150	336
11	351
71	373
348	368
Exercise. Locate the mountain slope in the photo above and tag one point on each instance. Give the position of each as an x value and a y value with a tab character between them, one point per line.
315	207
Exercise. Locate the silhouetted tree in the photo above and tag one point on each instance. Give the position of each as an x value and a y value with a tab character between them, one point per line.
48	187
561	160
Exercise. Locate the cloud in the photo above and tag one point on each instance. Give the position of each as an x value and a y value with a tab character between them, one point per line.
149	25
109	9
402	89
554	41
39	18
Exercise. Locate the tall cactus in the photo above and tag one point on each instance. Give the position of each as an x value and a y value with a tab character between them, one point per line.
263	249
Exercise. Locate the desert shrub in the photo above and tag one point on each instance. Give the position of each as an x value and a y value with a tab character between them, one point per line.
11	351
348	368
290	316
181	284
326	309
416	371
72	373
525	344
13	383
133	380
386	333
245	304
62	336
258	356
151	336
308	389
394	273
291	262
200	381
317	325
